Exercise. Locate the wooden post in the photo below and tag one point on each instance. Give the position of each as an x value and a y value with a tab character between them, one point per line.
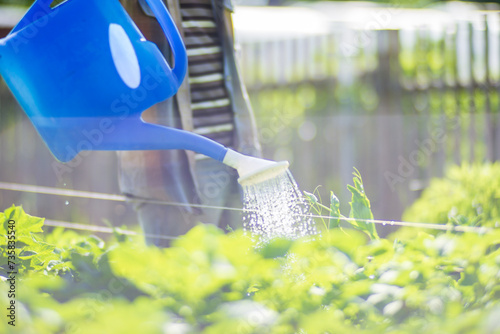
458	118
441	119
489	126
496	121
471	91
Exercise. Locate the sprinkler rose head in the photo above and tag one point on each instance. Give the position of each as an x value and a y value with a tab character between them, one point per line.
263	173
254	170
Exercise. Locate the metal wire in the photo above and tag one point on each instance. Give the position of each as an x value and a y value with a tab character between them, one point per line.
101	229
431	226
27	188
121	198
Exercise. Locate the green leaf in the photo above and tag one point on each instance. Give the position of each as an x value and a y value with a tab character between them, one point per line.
22	223
253	288
276	248
360	208
31	252
117	232
334	211
311	197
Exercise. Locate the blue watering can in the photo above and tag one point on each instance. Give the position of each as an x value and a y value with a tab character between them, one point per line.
84	73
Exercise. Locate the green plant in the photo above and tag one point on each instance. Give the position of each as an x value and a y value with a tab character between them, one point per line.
360	213
24	3
467	195
212	282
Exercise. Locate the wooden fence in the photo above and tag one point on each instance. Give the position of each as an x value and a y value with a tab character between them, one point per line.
398	104
401	107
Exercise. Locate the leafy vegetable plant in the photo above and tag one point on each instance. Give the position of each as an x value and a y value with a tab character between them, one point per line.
360	214
212	282
468	195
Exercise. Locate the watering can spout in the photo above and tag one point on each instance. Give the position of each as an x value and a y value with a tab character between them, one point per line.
124	135
132	134
253	170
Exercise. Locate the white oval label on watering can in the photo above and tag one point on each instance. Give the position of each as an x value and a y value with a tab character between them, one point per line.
124	56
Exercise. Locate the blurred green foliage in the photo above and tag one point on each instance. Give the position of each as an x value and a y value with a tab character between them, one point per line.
467	195
25	3
211	282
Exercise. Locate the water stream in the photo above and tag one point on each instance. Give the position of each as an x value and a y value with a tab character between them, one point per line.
276	208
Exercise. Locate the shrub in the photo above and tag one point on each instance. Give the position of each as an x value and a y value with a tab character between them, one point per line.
211	282
467	195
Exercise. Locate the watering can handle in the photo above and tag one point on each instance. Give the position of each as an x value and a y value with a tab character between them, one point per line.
174	38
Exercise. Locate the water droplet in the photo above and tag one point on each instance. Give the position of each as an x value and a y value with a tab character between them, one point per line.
384	223
276	208
66	203
392	222
65	184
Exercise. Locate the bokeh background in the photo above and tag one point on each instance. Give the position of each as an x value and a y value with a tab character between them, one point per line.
400	90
